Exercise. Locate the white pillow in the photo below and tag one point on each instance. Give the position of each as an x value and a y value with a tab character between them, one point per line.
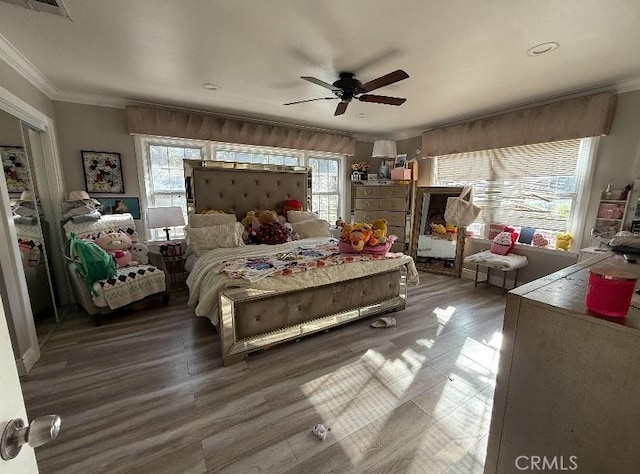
204	239
311	228
207	220
299	216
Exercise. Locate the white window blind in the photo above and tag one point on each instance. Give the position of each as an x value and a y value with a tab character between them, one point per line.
530	185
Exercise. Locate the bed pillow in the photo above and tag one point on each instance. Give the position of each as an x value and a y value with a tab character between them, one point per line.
203	239
300	216
207	220
311	228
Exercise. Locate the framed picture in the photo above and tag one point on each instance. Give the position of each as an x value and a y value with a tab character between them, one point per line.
16	168
120	205
401	161
102	172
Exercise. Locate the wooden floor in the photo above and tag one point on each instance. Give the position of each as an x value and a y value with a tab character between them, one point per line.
147	393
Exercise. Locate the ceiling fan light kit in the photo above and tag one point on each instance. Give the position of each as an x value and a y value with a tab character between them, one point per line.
347	88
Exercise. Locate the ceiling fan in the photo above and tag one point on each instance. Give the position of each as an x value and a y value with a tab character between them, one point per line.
348	88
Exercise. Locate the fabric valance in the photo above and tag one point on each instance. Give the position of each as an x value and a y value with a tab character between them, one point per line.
172	123
587	116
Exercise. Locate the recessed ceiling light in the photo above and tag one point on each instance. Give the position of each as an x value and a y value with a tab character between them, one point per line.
210	86
360	115
543	48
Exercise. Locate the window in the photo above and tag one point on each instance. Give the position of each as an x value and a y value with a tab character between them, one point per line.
533	185
163	173
166	180
325	197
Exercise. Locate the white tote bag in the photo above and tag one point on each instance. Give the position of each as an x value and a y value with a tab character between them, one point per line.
461	212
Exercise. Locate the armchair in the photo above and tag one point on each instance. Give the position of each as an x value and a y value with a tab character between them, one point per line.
131	284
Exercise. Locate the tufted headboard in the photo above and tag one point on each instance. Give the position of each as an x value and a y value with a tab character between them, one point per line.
237	191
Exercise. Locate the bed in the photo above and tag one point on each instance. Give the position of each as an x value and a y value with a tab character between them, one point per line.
252	316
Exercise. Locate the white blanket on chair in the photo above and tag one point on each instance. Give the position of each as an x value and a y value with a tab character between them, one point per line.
501	262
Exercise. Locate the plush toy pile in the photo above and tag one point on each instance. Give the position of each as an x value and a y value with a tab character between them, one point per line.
267	227
365	237
119	246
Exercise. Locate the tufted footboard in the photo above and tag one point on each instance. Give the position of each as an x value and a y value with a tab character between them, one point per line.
254	319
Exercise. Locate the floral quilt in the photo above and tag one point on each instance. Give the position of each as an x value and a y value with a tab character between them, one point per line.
299	259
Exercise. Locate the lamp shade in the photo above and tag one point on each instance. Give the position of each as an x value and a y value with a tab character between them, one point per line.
158	217
384	148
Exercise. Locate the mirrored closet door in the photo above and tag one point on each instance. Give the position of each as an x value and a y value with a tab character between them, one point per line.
21	150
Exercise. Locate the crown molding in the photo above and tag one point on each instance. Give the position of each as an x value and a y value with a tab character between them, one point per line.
91	99
18	61
628	85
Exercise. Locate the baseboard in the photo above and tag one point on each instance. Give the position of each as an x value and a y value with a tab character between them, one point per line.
28	360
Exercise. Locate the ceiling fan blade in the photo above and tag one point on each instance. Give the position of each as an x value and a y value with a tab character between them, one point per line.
385	80
341	108
382	99
309	100
331	87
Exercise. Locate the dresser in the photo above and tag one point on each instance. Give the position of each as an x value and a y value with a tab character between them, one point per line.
568	380
384	201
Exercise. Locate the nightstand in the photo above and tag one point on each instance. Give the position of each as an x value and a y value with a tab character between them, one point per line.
174	266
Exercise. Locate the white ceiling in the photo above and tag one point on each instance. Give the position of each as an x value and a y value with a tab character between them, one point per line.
464	57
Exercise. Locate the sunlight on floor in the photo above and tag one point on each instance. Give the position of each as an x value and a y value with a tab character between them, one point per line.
370	388
443	317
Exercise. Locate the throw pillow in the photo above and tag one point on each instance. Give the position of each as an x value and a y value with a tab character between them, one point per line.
311	228
204	239
299	216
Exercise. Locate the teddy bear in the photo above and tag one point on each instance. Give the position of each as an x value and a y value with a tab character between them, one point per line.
379	229
293	235
140	252
271	231
117	244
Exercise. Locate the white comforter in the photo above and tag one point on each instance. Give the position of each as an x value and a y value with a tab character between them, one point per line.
205	282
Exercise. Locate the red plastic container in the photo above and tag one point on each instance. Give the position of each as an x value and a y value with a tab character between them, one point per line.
610	291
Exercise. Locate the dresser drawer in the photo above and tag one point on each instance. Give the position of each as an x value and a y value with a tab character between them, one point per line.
393	218
392	204
397	231
381	192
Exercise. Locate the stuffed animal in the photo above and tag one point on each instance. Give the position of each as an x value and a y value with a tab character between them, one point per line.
270	232
451	230
502	243
539	241
117	244
380	230
563	240
293	235
248	219
359	236
211	210
291	205
140	253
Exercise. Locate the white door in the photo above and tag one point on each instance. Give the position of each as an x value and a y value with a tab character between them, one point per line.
12	403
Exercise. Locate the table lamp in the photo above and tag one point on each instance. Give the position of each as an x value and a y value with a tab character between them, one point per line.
384	149
164	217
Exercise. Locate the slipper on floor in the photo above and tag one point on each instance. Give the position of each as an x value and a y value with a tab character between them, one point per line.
384	323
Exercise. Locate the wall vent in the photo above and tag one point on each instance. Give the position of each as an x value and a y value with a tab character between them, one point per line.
55	7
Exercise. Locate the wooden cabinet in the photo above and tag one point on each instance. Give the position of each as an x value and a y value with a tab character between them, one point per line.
568	380
384	201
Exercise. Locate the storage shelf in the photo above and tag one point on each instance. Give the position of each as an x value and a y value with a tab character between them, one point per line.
617	201
607	219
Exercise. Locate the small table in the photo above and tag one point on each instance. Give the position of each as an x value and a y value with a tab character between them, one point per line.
175	270
504	263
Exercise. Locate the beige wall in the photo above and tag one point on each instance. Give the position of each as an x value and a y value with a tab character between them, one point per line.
19	86
88	127
617	160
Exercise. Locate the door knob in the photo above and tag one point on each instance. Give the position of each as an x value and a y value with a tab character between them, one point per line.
16	433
